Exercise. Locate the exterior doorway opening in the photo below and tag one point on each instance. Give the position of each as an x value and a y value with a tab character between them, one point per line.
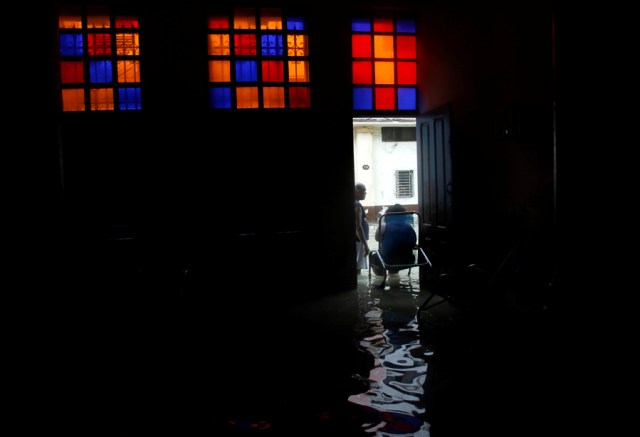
385	160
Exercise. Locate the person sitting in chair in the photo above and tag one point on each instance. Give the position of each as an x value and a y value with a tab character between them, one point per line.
396	238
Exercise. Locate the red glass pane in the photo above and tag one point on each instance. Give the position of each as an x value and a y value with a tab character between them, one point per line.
382	25
245	45
406	47
407	73
99	44
127	22
362	72
272	71
299	97
71	72
218	23
385	98
361	46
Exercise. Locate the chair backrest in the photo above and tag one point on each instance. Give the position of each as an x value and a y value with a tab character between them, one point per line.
403	222
407	223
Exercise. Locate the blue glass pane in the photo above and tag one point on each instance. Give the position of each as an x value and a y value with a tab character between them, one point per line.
70	45
100	72
271	45
295	23
246	71
129	99
407	99
361	25
220	97
362	98
405	26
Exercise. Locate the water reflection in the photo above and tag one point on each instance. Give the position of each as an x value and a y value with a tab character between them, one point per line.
389	333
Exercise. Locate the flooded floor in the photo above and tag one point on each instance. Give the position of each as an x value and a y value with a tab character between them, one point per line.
148	355
353	364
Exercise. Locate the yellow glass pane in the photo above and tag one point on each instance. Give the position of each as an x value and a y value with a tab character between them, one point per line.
383	46
270	19
244	18
70	18
297	45
101	99
219	45
98	17
383	73
247	97
219	71
298	71
273	97
73	100
127	44
128	71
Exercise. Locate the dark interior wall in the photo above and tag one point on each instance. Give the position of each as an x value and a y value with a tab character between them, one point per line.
192	183
493	62
170	170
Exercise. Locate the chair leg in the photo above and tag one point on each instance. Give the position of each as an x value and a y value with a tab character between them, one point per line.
425	305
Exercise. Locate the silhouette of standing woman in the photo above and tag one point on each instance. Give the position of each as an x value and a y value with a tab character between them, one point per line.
362	229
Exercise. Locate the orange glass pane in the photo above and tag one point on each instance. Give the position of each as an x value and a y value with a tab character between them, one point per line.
247	97
383	46
362	72
71	72
297	45
272	71
244	18
361	46
382	25
407	73
218	44
299	97
270	19
98	17
126	22
273	97
73	100
385	99
219	22
70	18
219	71
128	71
384	74
406	47
101	99
99	44
127	44
245	45
298	71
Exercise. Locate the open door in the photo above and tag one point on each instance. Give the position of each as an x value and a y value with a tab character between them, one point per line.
433	131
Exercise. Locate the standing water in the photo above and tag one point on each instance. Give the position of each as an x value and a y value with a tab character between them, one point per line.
389	334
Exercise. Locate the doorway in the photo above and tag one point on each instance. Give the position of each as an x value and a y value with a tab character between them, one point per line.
386	161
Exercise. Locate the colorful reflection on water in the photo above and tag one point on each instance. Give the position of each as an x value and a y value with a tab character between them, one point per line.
389	333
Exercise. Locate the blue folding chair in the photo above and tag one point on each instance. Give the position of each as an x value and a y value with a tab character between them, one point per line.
384	257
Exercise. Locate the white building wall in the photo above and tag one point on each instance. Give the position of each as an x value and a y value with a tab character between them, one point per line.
363	159
383	160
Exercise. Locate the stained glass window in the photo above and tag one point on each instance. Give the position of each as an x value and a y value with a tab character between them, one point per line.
383	65
258	58
99	60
